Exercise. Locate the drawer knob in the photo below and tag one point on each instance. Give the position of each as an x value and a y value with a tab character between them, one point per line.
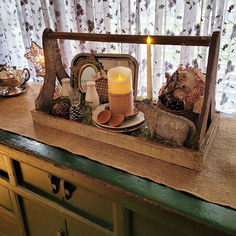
67	189
54	183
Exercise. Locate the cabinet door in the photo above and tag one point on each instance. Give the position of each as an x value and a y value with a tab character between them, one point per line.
5	200
77	228
143	226
42	220
7	226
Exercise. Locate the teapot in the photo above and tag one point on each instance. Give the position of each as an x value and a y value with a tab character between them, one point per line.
12	77
12	80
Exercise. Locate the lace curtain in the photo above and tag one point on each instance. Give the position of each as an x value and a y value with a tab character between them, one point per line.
24	20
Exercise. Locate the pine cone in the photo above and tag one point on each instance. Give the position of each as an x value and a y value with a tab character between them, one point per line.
175	104
76	113
61	109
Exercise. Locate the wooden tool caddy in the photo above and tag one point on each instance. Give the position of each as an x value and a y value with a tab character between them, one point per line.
207	123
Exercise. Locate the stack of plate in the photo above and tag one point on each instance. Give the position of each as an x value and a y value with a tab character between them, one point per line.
131	124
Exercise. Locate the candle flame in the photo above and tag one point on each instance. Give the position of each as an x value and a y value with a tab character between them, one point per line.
119	78
149	40
41	59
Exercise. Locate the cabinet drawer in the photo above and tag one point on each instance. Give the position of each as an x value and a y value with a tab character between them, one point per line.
36	178
5	200
82	201
3	165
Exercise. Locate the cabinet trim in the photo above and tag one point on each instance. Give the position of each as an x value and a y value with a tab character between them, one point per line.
17	211
11	171
121	220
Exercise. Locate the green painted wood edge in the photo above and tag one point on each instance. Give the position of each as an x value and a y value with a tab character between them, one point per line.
186	204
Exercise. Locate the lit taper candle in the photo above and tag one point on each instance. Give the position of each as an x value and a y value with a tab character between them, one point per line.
149	69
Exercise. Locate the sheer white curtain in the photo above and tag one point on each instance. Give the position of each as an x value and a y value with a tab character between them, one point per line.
24	20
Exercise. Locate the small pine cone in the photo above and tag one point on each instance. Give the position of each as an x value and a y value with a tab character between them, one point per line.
76	113
61	109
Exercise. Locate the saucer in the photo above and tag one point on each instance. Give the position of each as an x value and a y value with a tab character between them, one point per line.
6	92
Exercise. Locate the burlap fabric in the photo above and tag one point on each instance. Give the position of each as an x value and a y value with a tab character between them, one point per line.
216	183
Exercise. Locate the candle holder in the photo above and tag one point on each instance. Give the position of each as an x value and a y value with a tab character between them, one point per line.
36	56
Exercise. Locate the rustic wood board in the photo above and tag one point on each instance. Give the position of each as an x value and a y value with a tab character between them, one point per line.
182	156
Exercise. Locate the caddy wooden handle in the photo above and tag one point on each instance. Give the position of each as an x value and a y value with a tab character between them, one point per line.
139	39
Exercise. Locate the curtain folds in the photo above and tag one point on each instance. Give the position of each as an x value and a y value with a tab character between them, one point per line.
24	20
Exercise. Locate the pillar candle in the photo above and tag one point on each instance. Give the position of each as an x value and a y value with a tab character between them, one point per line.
120	92
149	69
119	80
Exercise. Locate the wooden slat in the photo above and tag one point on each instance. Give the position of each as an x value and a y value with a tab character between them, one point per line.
205	145
208	94
139	39
47	91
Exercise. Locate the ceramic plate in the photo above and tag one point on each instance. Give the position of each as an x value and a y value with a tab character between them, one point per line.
122	130
134	121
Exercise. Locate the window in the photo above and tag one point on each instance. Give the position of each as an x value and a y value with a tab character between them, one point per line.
25	20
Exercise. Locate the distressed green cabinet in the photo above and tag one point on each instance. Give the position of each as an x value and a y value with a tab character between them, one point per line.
49	191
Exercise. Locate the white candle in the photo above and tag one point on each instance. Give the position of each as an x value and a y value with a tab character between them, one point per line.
119	80
149	69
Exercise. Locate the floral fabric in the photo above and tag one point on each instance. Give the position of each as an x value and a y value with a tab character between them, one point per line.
24	20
